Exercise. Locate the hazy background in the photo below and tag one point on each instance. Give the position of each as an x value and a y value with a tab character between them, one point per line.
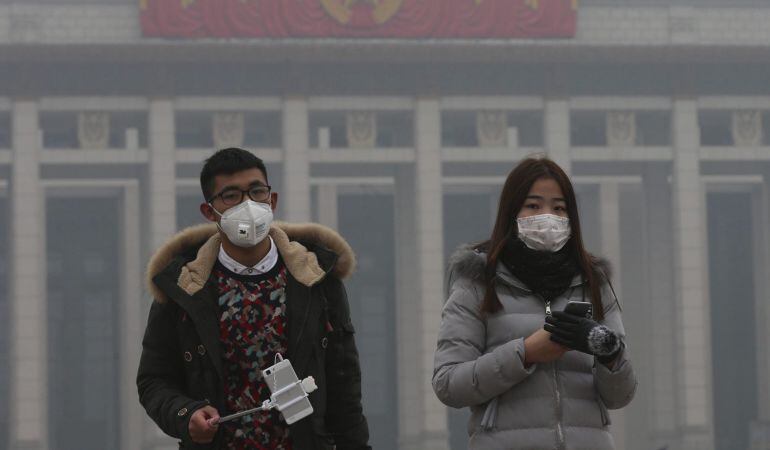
660	111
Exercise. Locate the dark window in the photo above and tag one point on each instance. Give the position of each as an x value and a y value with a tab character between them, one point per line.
263	129
588	128
83	327
193	129
394	128
715	128
5	130
121	122
187	211
529	125
471	223
60	130
334	121
458	129
590	224
732	289
372	308
653	128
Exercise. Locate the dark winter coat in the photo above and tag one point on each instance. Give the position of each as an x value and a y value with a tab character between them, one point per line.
181	367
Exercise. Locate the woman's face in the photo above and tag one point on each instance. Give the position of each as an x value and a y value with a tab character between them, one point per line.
545	197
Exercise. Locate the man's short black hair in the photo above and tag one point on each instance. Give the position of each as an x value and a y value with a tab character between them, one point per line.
227	162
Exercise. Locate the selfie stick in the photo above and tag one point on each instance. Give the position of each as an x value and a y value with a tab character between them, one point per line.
308	385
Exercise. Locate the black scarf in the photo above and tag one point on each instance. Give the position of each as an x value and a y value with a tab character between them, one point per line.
547	274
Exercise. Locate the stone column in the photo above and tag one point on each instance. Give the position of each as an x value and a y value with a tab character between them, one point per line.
131	318
421	287
663	409
327	205
430	259
408	330
161	204
28	408
760	429
690	282
557	132
162	173
609	219
295	203
609	210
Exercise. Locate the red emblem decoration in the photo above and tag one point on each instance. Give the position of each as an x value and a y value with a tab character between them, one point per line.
403	19
362	13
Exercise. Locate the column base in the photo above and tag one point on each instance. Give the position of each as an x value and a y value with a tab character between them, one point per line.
697	439
27	445
428	441
759	436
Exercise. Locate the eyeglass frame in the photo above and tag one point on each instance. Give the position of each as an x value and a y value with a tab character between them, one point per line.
243	192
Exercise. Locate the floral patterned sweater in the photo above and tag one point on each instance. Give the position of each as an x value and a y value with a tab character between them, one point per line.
252	329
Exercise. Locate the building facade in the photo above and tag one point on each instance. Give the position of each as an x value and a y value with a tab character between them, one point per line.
659	112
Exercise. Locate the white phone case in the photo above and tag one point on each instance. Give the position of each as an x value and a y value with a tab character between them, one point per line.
292	402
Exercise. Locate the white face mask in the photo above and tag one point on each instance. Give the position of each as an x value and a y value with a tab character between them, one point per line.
246	224
544	232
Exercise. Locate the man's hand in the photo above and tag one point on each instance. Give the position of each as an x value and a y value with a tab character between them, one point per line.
203	425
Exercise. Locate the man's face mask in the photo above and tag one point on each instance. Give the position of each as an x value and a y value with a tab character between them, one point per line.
544	232
246	224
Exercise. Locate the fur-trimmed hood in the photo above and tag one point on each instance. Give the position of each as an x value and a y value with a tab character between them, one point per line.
302	263
467	262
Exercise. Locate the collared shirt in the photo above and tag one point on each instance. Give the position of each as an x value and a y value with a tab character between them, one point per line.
264	266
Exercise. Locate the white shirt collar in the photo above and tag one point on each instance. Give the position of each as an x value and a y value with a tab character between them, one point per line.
264	266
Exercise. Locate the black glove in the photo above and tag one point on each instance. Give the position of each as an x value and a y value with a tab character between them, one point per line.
584	335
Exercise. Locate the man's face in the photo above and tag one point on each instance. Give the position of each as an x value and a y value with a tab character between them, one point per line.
229	192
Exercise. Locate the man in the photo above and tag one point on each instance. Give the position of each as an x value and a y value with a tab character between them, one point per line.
232	294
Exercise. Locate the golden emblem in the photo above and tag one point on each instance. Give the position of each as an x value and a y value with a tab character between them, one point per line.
342	10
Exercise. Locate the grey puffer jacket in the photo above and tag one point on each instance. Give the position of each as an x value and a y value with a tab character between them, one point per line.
479	363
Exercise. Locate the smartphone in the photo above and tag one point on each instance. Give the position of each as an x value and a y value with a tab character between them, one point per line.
287	392
580	309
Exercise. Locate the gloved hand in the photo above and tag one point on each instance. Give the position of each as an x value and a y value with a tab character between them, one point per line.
584	335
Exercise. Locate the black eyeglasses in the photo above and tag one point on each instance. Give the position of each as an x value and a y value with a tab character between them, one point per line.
234	196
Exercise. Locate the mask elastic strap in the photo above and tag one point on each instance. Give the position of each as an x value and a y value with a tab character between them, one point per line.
215	210
219	227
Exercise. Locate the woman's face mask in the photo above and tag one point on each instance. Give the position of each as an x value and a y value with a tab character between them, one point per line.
246	224
544	232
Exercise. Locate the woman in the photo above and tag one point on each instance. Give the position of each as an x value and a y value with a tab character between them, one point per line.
505	347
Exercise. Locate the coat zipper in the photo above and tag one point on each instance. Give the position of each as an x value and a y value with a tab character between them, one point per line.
557	394
559	429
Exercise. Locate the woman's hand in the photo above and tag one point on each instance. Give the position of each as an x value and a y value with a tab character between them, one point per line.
539	348
584	335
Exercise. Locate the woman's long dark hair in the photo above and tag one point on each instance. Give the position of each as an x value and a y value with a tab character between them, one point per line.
512	198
